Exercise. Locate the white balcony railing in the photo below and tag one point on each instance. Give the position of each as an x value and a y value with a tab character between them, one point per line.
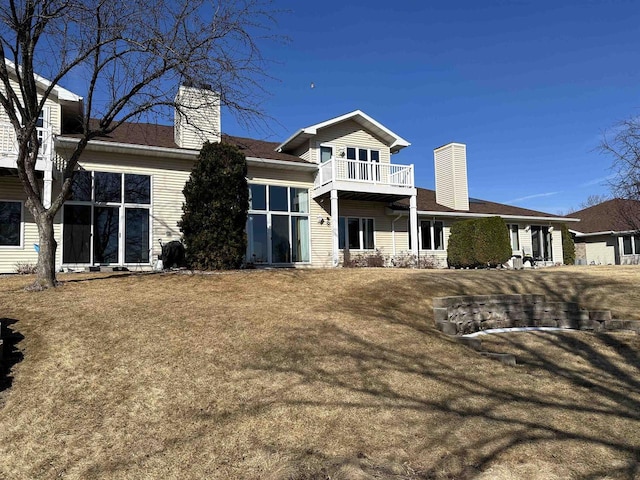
9	143
389	174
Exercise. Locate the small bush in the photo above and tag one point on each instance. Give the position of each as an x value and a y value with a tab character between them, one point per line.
376	259
409	260
24	268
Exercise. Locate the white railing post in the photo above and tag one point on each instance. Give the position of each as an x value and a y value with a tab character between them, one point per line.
333	169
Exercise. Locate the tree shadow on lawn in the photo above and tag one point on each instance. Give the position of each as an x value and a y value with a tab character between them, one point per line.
565	412
11	355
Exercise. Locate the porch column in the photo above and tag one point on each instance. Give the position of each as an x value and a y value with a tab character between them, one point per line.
334	228
48	180
413	224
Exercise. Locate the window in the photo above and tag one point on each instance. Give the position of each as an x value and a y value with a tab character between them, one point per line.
278	224
257	197
631	245
10	224
431	235
106	221
514	237
357	233
541	245
326	154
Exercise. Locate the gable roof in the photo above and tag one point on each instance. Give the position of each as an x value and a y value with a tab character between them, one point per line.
426	203
617	215
395	142
58	91
153	135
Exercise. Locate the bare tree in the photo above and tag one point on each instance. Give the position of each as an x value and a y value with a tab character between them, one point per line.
132	55
622	143
592	200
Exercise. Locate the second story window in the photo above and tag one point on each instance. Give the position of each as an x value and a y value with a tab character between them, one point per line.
326	153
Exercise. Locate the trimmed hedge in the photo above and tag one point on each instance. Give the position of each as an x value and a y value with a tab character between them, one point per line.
479	242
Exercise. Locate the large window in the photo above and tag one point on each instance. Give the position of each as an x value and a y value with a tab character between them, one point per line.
10	224
631	245
541	244
356	232
107	219
278	224
431	235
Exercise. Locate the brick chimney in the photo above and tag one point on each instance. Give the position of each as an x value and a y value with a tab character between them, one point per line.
451	176
197	117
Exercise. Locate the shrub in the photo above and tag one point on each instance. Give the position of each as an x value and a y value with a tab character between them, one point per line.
568	246
460	246
479	242
492	246
24	268
409	260
215	209
376	259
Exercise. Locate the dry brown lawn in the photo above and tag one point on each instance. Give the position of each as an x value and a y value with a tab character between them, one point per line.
316	374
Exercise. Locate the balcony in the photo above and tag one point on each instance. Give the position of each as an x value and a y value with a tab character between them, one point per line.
9	146
364	177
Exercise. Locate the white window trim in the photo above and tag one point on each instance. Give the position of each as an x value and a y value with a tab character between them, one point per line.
21	246
509	226
360	234
268	213
432	235
369	150
333	147
122	206
635	249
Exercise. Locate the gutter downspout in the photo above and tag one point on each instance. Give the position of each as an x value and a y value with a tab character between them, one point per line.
393	233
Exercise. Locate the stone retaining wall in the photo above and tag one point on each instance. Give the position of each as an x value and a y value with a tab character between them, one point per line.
469	314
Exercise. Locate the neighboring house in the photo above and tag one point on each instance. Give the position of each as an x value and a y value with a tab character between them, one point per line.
329	187
608	233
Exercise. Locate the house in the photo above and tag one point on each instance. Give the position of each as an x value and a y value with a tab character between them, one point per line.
608	233
328	188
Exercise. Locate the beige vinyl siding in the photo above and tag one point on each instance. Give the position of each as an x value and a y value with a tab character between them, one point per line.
556	244
601	250
321	233
53	119
349	134
303	151
282	177
10	189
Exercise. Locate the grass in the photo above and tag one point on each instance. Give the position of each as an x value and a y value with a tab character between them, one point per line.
312	374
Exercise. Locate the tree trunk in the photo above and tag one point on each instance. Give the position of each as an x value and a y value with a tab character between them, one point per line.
46	269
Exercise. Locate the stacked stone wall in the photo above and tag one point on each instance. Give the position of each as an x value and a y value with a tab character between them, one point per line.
468	314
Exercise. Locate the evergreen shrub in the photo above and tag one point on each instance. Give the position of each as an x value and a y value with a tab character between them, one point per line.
215	209
568	246
479	242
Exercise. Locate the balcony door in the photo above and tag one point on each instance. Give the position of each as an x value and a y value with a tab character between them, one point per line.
363	164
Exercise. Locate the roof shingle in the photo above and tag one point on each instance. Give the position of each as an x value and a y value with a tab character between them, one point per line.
426	201
154	135
617	215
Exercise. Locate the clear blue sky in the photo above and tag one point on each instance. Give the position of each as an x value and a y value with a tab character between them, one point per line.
529	86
